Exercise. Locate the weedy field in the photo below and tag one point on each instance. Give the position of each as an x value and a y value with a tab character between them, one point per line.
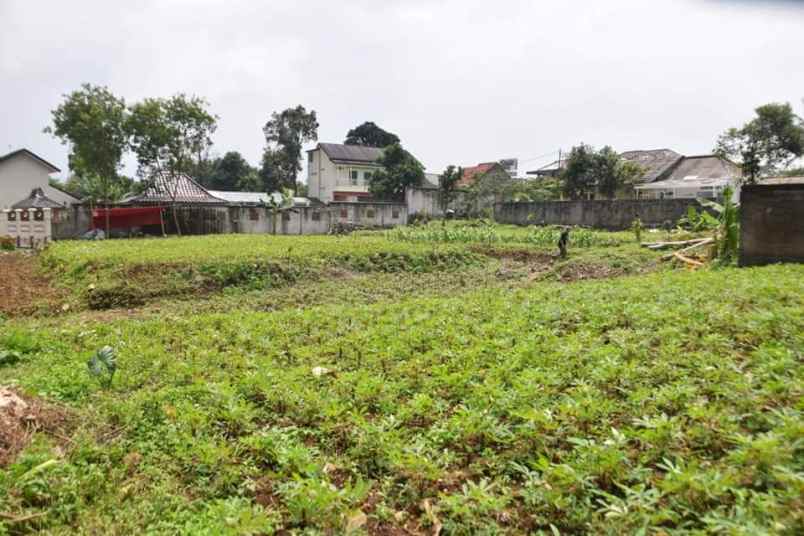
489	389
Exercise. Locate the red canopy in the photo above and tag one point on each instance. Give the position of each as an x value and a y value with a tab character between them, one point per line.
126	217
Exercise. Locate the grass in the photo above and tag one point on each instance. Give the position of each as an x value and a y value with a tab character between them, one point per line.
667	403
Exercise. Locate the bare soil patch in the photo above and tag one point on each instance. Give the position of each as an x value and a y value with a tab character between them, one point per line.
22	289
20	417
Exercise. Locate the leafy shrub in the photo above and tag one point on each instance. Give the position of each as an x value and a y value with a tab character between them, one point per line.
7	243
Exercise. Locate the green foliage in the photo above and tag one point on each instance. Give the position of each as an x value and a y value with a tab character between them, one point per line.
92	122
7	243
637	228
447	182
603	171
168	135
767	143
400	171
727	237
662	403
285	134
228	173
103	365
370	135
486	232
696	221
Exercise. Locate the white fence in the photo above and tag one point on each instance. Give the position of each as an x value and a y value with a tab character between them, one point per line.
30	228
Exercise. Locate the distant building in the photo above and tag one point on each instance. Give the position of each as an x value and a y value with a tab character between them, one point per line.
337	172
473	174
667	174
22	172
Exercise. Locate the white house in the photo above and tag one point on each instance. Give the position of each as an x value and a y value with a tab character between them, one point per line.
692	177
338	172
21	172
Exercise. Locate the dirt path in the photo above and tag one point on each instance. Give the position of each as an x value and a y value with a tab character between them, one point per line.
22	289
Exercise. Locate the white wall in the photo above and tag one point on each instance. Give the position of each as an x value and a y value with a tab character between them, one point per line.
30	232
325	177
22	173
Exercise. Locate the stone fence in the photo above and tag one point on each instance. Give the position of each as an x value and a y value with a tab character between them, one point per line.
616	214
30	228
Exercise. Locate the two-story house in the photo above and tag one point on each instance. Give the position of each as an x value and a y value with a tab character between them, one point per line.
338	172
21	172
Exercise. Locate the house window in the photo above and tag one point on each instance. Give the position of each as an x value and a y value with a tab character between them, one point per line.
370	213
395	214
353	175
253	215
39	215
12	216
25	215
344	213
316	216
367	176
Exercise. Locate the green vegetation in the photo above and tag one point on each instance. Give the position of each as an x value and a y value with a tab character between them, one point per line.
499	396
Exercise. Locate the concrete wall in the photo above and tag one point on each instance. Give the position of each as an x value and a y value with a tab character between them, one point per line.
21	174
423	201
198	220
616	214
771	224
30	227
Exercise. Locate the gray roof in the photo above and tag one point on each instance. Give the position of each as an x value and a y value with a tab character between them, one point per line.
351	153
704	167
782	180
162	187
37	199
657	163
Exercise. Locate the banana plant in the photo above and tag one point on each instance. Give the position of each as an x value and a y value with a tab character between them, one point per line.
727	235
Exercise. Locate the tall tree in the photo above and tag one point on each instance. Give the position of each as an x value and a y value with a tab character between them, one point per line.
170	136
769	142
579	174
226	173
370	135
400	171
447	182
285	133
92	121
610	172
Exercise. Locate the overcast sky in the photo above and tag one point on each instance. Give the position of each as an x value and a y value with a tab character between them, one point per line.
459	81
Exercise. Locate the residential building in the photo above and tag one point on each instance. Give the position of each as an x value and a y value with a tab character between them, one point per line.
22	172
337	172
473	174
667	174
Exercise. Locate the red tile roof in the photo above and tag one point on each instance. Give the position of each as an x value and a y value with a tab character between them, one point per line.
471	174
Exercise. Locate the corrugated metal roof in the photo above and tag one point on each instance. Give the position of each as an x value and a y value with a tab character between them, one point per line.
351	153
242	198
163	188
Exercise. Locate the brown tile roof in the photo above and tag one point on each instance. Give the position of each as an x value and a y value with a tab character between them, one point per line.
161	189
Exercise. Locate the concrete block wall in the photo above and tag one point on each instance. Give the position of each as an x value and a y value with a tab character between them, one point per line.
771	224
613	215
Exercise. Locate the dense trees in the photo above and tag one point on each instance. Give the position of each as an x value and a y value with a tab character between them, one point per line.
370	135
231	172
285	133
447	183
400	171
768	143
